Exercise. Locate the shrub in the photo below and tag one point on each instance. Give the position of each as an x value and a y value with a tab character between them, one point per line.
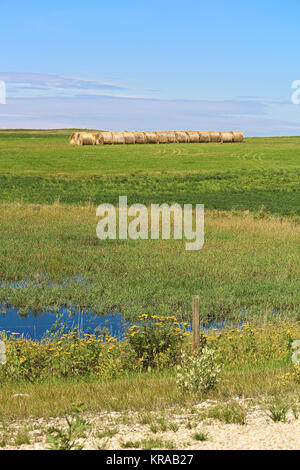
157	341
198	372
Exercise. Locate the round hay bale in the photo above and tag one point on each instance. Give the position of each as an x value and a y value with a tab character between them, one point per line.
193	136
87	139
99	138
75	138
172	137
118	138
204	137
226	137
140	137
151	138
129	137
238	136
181	137
107	137
215	136
163	137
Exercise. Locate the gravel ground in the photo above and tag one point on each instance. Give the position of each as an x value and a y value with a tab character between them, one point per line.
173	429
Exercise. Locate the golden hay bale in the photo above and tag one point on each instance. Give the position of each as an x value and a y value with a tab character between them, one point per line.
99	138
238	136
171	137
226	137
193	136
163	137
181	136
151	138
129	137
107	137
215	136
87	139
118	138
74	139
139	137
204	137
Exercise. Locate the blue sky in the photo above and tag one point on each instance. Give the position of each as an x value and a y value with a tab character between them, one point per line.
151	65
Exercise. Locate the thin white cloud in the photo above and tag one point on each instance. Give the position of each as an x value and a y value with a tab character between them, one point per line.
55	81
37	85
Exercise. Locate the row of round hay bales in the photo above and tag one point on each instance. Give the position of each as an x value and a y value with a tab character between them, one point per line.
158	137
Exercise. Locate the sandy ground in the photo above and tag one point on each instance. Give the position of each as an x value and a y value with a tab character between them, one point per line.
111	430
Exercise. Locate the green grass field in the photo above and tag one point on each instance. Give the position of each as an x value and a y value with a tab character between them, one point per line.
41	168
249	265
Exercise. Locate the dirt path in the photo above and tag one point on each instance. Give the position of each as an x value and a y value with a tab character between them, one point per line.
174	429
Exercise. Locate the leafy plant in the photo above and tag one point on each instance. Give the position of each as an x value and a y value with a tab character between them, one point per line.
198	372
278	409
157	341
67	439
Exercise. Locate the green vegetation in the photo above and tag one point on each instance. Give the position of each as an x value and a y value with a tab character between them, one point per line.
200	436
39	378
248	270
45	154
228	413
60	438
42	168
279	408
248	267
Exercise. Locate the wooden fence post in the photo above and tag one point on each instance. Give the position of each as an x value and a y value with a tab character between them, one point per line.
196	322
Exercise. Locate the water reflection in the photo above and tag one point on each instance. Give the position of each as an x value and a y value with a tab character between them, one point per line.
35	325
